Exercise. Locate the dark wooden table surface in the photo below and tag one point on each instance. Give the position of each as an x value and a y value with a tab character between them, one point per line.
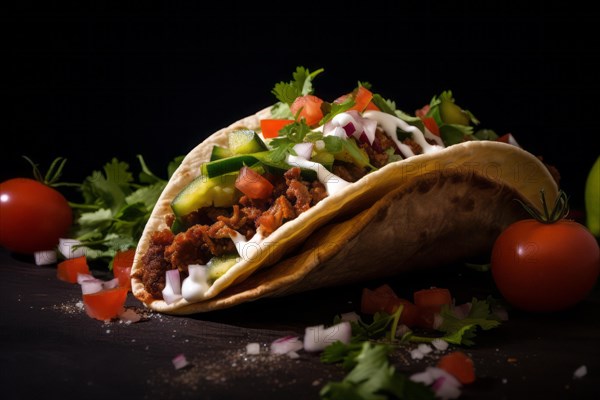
49	347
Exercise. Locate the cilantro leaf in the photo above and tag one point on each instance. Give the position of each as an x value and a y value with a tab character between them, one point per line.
462	331
115	207
336	108
287	92
373	378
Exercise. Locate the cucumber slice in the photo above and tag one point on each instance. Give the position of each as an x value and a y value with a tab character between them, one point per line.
205	192
231	164
219	153
245	141
218	266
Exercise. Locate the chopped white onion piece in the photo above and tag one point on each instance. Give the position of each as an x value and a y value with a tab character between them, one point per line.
253	348
91	286
286	344
71	248
179	361
440	344
304	150
316	338
500	313
45	257
416	354
580	372
424	348
293	355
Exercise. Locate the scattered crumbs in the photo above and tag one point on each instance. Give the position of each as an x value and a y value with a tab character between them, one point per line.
75	306
511	360
108	331
275	370
497	349
132	340
580	372
504	380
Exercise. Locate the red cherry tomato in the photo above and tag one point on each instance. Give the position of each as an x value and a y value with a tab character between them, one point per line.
33	216
545	266
105	304
309	107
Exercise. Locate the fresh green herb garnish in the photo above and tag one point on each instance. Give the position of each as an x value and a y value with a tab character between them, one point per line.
462	331
287	92
371	375
115	207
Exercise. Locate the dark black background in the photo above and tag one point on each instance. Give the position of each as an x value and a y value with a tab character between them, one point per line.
93	81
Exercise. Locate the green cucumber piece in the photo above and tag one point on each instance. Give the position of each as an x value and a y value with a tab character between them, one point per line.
219	153
218	266
205	192
245	141
231	164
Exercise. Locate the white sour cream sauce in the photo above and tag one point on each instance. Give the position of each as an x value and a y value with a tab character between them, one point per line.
196	284
389	123
332	182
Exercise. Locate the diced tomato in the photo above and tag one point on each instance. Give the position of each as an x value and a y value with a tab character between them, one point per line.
431	125
67	270
105	304
422	112
362	100
508	138
309	107
385	299
459	365
433	298
253	185
122	263
270	127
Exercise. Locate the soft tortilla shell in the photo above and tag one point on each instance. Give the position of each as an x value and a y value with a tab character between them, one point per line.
428	222
494	161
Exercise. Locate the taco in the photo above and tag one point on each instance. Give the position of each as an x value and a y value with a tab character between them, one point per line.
308	194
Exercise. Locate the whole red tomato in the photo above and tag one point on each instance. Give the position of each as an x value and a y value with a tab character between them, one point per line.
33	216
545	266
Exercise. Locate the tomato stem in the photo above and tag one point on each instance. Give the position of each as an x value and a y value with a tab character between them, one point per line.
559	210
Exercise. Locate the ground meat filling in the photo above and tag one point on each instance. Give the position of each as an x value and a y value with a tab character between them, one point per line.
209	228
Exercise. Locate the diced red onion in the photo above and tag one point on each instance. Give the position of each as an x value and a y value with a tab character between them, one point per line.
350	129
91	286
45	257
286	344
444	384
84	277
462	311
316	338
500	313
369	128
304	150
179	361
172	291
71	248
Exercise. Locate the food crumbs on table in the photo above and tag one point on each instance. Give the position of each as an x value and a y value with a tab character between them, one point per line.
512	360
580	372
